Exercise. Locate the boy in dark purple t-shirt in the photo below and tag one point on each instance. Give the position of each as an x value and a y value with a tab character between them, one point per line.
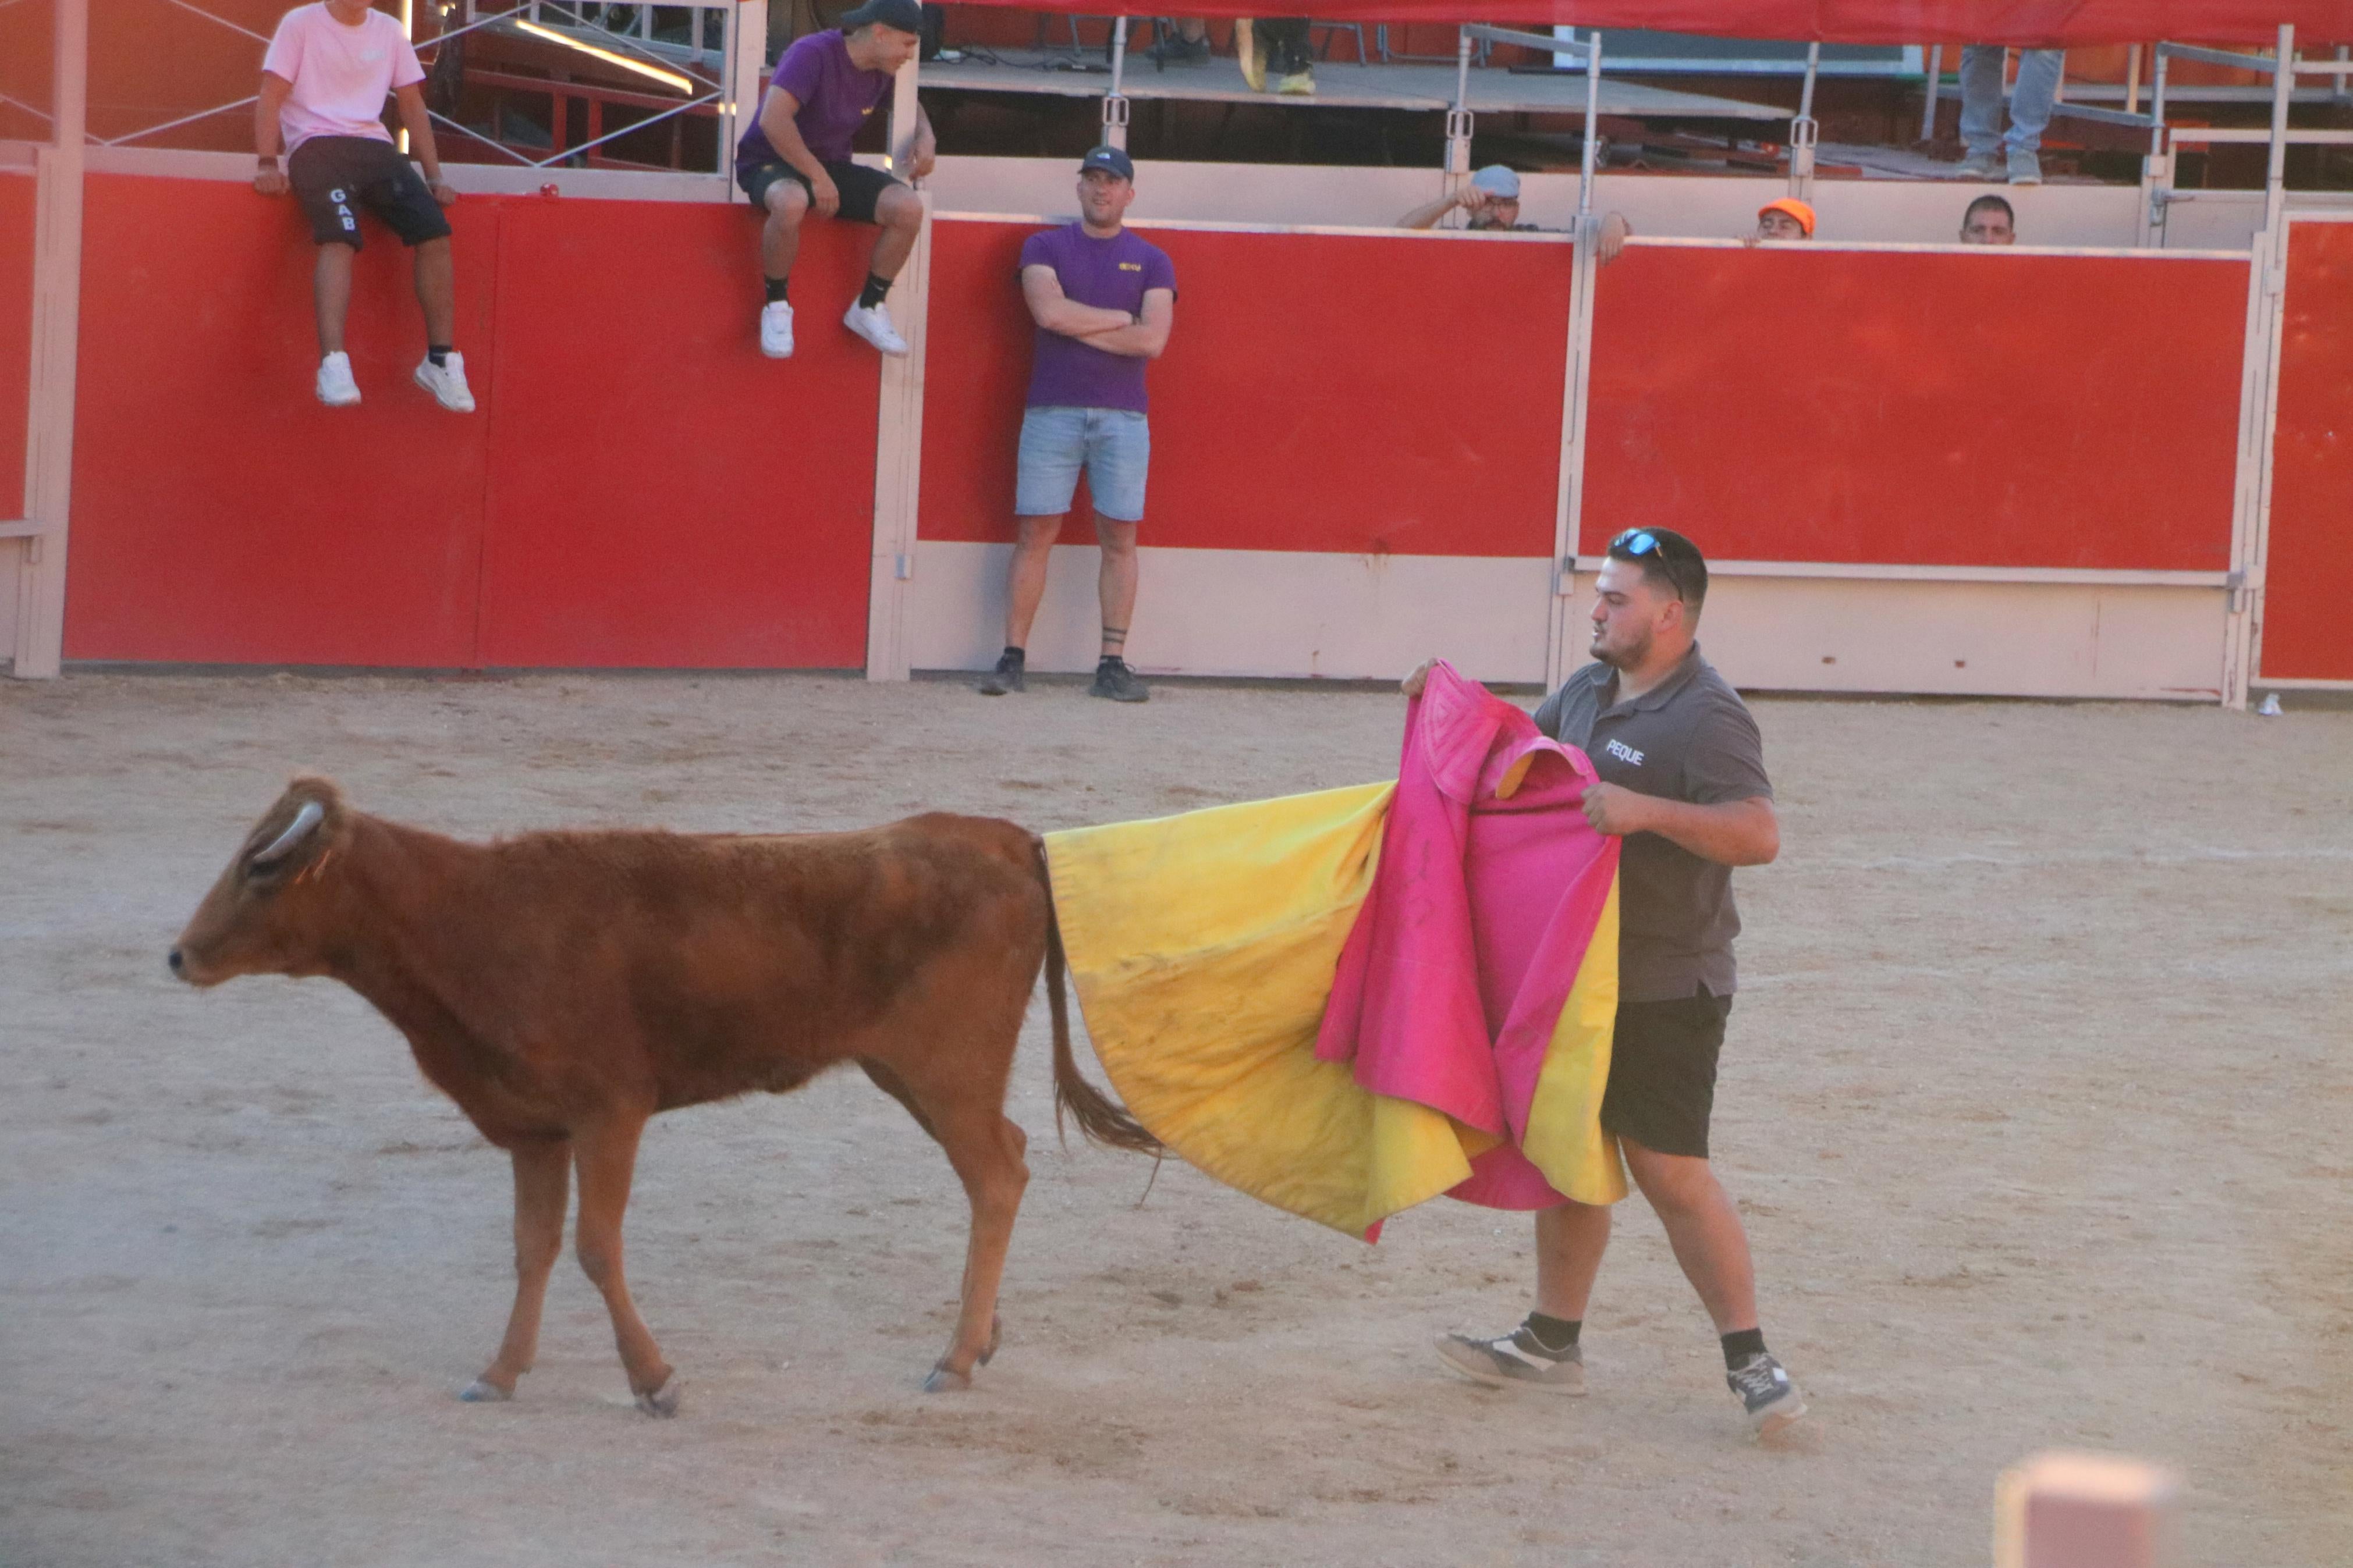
1104	300
796	156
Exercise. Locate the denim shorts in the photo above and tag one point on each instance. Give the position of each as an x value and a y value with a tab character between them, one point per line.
1114	445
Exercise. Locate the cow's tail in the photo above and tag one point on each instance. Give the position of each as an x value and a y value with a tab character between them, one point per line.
1101	1118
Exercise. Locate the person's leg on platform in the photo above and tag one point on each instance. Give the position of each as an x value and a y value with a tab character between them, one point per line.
788	202
443	370
1292	65
1119	457
330	303
2031	100
900	213
1982	74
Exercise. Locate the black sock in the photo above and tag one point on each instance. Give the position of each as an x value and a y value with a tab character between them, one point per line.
1013	656
876	288
776	286
438	352
1556	1335
1740	1347
1108	658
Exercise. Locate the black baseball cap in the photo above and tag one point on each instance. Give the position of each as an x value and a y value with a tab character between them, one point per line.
1110	160
906	15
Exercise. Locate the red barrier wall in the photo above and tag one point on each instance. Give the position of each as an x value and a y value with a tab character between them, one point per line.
16	208
662	494
1933	409
1365	394
220	514
2308	582
638	488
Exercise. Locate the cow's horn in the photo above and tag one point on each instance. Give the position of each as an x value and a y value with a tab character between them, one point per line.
277	848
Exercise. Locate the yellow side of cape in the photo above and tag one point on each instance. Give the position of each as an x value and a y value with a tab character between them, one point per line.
1203	947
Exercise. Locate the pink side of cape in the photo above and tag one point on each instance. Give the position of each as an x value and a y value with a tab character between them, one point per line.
1481	909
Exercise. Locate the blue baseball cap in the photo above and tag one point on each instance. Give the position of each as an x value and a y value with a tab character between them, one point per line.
1110	160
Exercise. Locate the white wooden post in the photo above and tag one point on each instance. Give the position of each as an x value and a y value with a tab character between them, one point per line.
899	424
2083	1510
56	317
747	80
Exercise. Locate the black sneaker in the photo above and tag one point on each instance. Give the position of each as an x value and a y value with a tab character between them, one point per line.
1176	49
1766	1392
1516	1360
1004	678
1115	680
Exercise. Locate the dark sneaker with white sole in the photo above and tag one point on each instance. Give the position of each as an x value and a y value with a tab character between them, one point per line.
1765	1391
1006	677
1115	680
1516	1360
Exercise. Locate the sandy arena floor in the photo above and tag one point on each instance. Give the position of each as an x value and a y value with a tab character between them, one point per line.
2037	1101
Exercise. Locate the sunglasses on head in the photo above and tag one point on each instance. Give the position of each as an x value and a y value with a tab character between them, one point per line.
1636	543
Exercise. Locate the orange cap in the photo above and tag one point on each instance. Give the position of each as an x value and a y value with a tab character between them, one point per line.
1794	208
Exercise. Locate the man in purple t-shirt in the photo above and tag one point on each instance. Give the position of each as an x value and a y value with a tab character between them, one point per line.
1103	300
796	156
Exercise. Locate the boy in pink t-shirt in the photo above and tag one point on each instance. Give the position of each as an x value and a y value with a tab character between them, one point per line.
324	84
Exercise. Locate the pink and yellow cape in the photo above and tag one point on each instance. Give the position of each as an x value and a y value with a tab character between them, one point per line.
1348	1001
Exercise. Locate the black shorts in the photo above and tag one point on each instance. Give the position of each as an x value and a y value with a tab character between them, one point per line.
859	186
1663	1072
334	176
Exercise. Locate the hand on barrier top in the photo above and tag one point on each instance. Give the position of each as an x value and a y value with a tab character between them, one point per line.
921	157
1614	233
443	192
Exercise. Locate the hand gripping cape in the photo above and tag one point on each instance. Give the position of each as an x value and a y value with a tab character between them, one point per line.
1345	1003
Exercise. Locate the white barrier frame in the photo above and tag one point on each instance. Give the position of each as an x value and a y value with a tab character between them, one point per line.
2263	422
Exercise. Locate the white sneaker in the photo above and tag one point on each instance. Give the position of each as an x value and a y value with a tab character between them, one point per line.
446	382
777	329
336	387
874	325
2025	168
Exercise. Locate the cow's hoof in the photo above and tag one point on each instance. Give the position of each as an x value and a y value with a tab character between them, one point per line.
996	1338
946	1379
662	1400
480	1393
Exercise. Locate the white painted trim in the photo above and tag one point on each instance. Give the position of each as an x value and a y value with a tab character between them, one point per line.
478	179
40	643
2246	560
747	25
1945	249
1898	573
899	467
1203	226
1251	613
1569	509
2303	683
23	528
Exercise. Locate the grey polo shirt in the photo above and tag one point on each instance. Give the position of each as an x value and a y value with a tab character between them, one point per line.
1689	738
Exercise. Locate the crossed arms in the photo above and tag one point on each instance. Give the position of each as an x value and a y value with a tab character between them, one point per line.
1142	336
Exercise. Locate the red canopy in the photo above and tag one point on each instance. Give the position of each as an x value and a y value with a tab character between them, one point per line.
2026	23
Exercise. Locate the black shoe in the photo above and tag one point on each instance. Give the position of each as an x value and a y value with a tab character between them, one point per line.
1766	1392
1176	49
1004	678
1115	680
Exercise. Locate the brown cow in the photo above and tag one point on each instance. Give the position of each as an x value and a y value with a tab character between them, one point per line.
561	987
